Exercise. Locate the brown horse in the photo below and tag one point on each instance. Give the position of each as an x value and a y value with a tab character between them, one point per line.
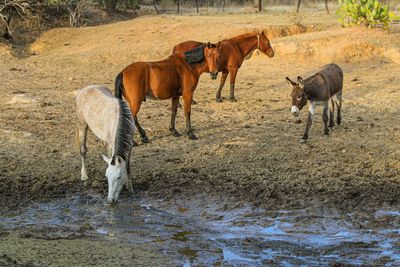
173	77
232	53
318	89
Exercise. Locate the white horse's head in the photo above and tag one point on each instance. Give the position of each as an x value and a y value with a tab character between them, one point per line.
116	175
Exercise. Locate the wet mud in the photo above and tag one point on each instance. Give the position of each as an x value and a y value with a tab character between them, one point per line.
83	230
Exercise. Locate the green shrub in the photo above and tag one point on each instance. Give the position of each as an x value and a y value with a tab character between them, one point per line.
367	12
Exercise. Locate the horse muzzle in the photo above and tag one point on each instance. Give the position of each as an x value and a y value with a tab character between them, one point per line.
271	53
111	200
214	75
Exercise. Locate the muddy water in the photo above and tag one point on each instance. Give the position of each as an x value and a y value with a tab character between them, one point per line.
207	234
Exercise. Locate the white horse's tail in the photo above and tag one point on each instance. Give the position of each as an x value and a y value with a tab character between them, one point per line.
76	143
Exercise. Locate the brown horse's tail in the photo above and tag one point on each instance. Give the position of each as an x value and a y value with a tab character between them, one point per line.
119	86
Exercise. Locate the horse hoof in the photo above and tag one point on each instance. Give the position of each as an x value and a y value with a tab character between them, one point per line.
191	136
174	132
145	140
331	125
219	100
194	102
232	99
326	133
339	121
135	144
303	141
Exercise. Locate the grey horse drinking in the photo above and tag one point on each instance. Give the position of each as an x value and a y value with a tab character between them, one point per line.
110	119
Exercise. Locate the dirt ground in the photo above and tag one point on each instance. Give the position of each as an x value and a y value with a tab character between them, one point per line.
248	152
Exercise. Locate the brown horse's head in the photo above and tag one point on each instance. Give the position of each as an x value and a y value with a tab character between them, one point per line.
299	98
264	45
211	55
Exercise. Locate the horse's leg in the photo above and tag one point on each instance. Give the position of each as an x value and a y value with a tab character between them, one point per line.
232	78
174	108
339	107
310	117
187	105
135	109
221	85
331	113
82	133
128	183
325	117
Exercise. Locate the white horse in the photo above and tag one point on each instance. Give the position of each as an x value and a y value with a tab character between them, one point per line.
110	119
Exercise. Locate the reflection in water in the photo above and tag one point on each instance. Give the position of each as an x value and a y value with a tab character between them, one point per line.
240	236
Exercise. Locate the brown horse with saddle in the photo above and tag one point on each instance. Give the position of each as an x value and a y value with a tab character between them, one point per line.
232	54
173	77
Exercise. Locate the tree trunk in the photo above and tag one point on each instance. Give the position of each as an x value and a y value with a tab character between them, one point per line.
298	6
259	5
223	5
7	20
197	6
326	6
155	6
177	4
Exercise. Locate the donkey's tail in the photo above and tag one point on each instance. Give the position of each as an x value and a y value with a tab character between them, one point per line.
119	86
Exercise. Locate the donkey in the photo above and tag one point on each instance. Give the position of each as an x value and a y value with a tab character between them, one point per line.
110	119
318	89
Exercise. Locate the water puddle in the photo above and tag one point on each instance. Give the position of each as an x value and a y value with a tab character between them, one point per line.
197	235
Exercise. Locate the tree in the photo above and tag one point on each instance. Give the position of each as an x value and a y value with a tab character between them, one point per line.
9	9
155	6
326	6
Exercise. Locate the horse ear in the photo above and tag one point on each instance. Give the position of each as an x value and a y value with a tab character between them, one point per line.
118	160
106	159
290	82
208	45
301	82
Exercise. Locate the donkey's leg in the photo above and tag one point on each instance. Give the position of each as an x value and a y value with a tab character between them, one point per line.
310	118
135	109
82	133
325	117
187	102
331	113
339	107
221	85
232	78
174	108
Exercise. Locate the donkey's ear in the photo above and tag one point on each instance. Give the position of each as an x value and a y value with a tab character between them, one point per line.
290	82
106	159
301	82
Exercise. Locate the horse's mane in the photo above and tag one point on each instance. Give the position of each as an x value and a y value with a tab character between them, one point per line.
242	36
195	56
125	129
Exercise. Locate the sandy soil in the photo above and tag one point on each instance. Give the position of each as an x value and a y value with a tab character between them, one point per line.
247	151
